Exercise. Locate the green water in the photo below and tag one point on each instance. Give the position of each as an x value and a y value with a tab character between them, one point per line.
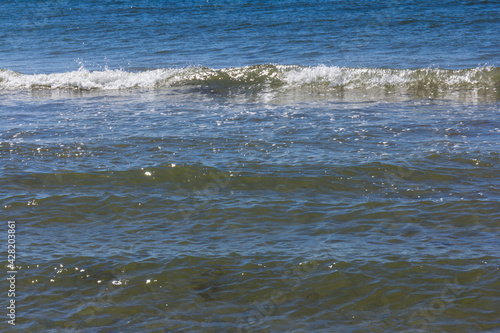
152	212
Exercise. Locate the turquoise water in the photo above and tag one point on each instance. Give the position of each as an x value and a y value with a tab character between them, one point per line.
230	166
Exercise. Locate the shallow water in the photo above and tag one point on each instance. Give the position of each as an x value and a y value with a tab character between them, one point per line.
252	167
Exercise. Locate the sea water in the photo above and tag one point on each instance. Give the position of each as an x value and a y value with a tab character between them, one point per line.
250	166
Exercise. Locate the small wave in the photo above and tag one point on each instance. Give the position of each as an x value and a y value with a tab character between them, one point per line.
84	79
352	78
267	77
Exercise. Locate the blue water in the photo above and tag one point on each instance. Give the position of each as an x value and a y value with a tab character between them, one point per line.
57	36
251	166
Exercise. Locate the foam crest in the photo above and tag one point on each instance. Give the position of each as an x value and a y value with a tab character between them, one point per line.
84	79
267	77
377	77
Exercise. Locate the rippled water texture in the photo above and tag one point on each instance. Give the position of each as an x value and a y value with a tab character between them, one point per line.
61	35
152	212
228	166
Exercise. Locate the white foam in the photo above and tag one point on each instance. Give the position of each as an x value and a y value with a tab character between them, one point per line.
288	76
352	78
86	80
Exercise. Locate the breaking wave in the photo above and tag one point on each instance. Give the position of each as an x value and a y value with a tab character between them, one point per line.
265	77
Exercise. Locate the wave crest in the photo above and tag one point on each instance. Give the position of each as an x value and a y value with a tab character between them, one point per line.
265	77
